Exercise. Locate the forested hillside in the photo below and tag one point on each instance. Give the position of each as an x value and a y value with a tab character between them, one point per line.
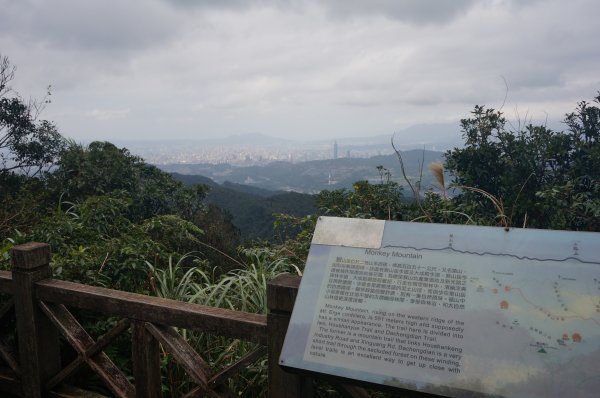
252	209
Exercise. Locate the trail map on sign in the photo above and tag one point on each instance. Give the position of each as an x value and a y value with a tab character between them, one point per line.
451	309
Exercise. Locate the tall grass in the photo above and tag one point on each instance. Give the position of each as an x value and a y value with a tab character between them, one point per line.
175	281
244	289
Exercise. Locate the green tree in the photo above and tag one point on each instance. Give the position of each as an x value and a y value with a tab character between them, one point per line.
96	242
574	202
27	146
532	177
221	237
382	200
584	128
101	168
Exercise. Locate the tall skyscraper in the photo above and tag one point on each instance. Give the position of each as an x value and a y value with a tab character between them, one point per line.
335	150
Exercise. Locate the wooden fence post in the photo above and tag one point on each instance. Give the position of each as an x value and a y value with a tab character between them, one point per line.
39	351
281	296
146	362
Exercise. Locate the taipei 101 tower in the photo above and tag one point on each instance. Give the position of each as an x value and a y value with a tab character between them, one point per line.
335	150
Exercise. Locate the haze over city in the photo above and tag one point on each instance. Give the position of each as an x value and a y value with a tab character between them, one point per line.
156	70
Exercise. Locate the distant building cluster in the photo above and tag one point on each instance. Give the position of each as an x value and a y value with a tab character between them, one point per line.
243	155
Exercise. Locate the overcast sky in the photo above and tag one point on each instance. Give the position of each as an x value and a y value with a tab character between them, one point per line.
302	69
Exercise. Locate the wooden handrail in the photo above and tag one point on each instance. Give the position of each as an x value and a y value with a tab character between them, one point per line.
224	322
40	307
41	302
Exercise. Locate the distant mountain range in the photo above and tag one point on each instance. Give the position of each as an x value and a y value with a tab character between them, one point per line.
314	176
433	136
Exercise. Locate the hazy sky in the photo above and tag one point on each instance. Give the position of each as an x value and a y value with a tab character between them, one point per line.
300	69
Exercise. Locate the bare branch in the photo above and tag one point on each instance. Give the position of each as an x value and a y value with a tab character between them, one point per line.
7	73
505	93
414	190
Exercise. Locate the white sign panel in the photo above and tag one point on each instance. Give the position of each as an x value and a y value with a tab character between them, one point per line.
452	309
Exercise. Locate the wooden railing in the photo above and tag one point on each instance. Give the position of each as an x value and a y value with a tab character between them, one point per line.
39	306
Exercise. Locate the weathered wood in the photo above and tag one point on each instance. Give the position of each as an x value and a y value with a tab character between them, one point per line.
6	353
79	339
98	346
39	356
195	366
146	362
282	292
6	282
217	382
281	295
30	256
183	353
156	310
235	367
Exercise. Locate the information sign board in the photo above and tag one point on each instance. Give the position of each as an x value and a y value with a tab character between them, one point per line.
450	309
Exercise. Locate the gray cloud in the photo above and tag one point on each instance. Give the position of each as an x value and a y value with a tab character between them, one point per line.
292	67
109	26
423	11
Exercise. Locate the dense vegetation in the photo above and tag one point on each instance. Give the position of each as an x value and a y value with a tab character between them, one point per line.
113	220
252	209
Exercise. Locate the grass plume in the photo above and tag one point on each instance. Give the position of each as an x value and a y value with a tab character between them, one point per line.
437	169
